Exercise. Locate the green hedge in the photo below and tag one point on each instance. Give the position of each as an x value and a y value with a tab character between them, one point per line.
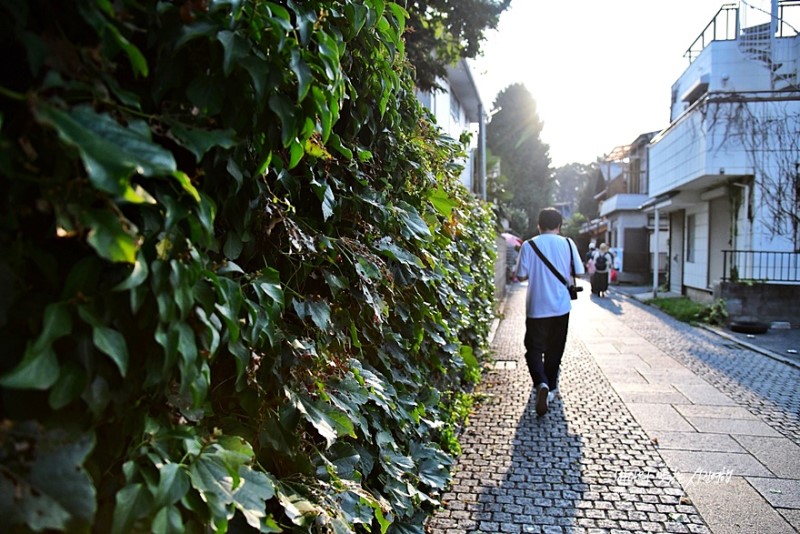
239	280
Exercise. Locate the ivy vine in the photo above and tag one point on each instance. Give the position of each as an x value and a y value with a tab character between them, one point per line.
239	279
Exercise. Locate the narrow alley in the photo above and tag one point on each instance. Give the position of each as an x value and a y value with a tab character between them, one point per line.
661	427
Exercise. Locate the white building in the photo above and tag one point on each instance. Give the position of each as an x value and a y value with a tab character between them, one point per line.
629	231
458	109
724	173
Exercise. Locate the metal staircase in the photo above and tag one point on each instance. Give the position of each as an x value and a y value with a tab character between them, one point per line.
757	43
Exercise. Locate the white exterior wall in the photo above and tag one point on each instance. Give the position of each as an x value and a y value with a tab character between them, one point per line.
662	237
695	273
692	147
440	106
677	156
721	60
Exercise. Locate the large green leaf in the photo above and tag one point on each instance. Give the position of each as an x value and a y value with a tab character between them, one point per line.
168	520
72	380
302	73
250	498
103	26
329	422
318	310
201	141
301	511
112	343
109	237
138	274
390	250
111	153
220	475
443	202
53	490
173	483
413	226
133	502
39	368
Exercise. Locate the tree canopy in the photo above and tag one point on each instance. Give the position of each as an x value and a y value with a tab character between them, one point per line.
440	32
514	134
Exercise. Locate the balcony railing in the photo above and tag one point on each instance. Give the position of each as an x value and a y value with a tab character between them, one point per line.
725	26
760	266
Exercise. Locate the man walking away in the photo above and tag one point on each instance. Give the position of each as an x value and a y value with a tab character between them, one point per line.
548	303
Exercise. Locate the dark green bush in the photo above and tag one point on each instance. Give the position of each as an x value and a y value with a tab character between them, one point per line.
237	272
686	310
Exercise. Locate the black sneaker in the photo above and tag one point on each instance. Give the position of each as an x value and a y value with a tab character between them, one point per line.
541	399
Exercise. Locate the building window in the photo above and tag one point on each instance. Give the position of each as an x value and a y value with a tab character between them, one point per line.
691	232
455	109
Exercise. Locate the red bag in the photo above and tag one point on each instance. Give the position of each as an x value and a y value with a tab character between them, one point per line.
613	275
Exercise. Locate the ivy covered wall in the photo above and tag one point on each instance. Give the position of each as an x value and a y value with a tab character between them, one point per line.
240	286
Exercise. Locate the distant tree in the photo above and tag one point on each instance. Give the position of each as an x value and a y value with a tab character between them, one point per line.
572	226
496	182
441	32
517	220
587	205
570	181
514	134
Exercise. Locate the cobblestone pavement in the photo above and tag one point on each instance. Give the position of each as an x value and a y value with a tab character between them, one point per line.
585	467
768	388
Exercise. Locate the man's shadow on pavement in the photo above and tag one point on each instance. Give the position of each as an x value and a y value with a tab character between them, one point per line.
542	483
610	302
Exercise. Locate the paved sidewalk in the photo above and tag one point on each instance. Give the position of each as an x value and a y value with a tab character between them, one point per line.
662	427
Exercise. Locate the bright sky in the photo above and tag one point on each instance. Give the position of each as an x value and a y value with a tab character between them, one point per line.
601	71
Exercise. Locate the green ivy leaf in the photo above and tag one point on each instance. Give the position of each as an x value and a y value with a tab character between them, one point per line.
285	111
133	502
109	237
72	380
443	202
302	73
258	69
390	250
39	368
414	227
196	30
468	355
110	152
186	184
250	499
201	141
328	421
168	520
55	490
296	153
103	26
138	274
298	509
173	483
325	195
112	343
319	311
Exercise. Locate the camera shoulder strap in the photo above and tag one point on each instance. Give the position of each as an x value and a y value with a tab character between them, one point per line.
550	265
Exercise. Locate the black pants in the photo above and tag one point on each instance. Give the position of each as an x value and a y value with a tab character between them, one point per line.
545	340
599	282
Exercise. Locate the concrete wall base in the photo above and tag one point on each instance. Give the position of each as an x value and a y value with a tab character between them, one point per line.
760	302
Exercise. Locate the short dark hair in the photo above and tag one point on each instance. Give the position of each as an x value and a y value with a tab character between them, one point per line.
550	219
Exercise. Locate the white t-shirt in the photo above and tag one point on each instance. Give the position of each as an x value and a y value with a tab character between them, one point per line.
547	296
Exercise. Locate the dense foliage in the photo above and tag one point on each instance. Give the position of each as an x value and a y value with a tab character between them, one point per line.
240	286
440	32
514	135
